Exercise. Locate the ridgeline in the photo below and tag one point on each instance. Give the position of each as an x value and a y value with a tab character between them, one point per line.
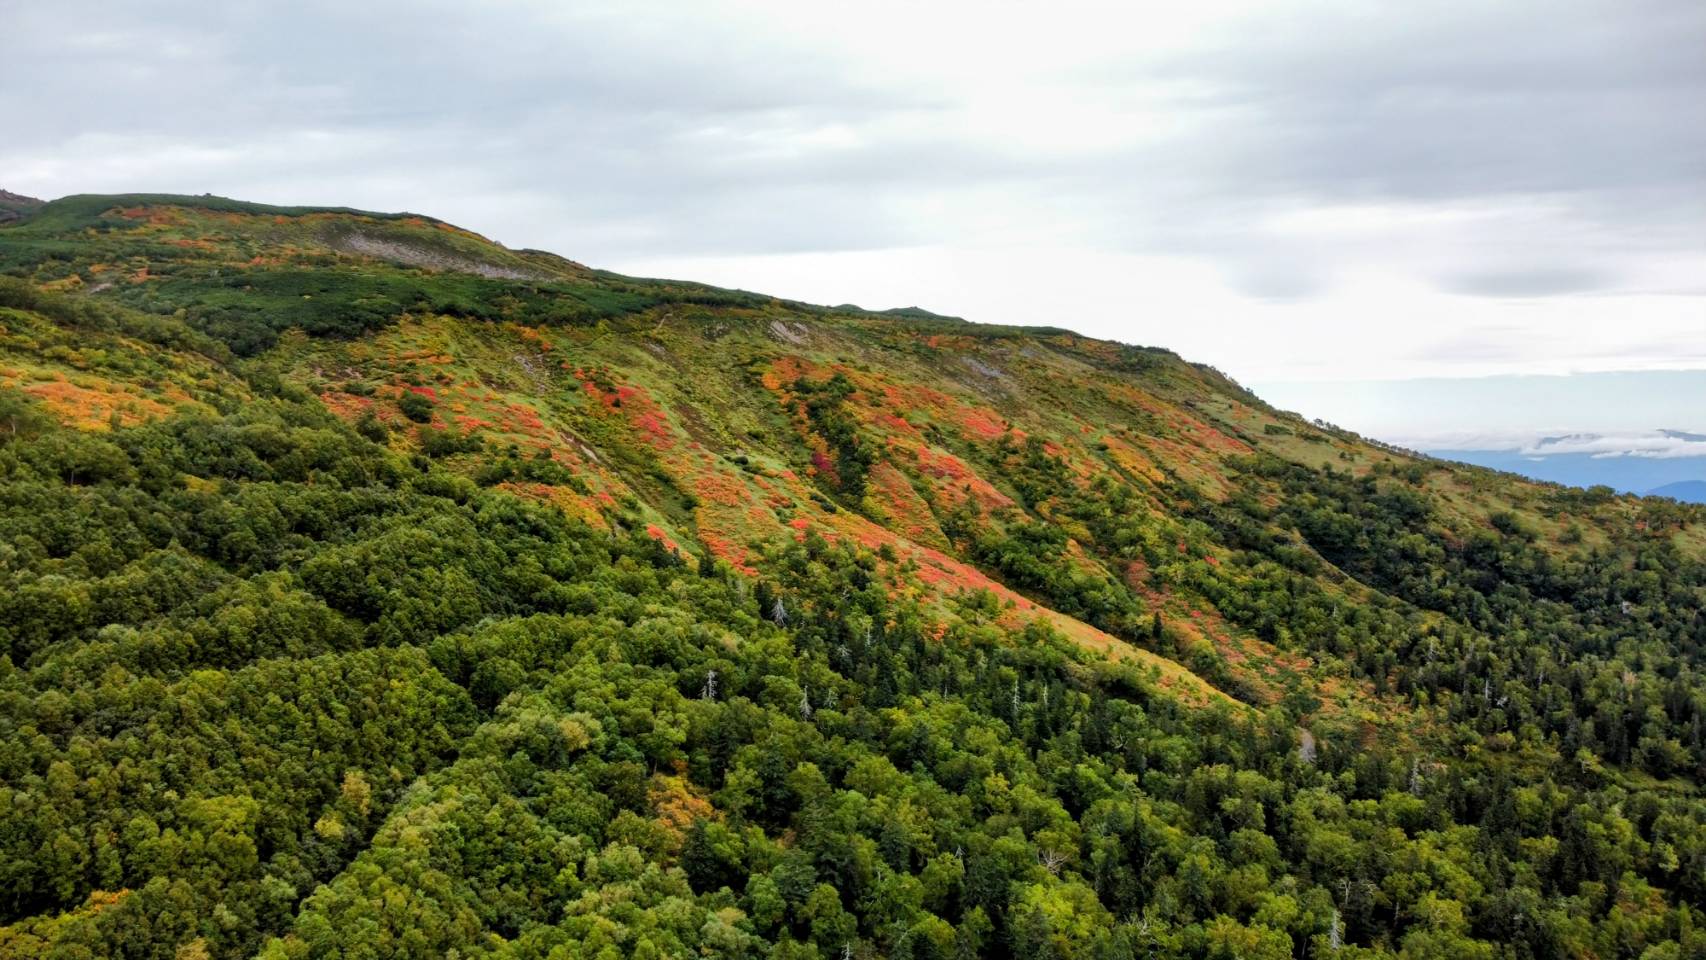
369	589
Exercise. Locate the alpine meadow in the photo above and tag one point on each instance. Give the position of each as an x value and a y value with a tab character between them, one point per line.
372	590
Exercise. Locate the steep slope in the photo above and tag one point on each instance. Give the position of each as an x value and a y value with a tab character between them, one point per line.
962	497
719	420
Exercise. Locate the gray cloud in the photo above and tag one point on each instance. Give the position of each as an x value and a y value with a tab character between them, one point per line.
1461	99
1533	282
1277	279
1596	112
1572	135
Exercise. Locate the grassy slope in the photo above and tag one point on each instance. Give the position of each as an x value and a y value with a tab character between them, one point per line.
679	407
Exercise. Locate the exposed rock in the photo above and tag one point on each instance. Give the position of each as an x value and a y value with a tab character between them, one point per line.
14	206
978	366
796	334
414	255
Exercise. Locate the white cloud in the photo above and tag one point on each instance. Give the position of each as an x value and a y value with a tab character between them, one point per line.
1655	446
1311	191
1513	413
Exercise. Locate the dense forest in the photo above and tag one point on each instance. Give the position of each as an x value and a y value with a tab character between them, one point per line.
406	609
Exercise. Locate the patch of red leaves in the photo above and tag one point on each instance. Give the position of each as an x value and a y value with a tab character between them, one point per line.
823	467
348	406
719	488
908	513
523	419
636	405
982	423
656	533
960	479
895	424
725	549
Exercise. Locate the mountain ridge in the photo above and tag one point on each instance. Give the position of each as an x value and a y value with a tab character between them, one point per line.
1688	491
424	246
618	565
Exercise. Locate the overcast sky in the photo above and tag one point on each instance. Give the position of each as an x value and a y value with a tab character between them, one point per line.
1292	192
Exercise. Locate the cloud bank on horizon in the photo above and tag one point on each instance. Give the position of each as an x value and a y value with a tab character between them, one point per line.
1654	445
1293	192
1660	408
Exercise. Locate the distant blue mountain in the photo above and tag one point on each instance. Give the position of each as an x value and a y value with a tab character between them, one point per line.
1688	491
1625	473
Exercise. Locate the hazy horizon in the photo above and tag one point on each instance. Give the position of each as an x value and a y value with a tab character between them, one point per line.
1499	412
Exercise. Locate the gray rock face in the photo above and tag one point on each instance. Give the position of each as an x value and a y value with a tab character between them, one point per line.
15	206
419	256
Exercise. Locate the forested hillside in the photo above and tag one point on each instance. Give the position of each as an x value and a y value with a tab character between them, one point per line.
368	589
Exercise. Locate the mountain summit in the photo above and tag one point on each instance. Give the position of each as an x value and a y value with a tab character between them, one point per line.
368	588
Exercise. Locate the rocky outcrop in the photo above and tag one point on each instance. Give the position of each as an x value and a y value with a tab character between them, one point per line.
15	206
